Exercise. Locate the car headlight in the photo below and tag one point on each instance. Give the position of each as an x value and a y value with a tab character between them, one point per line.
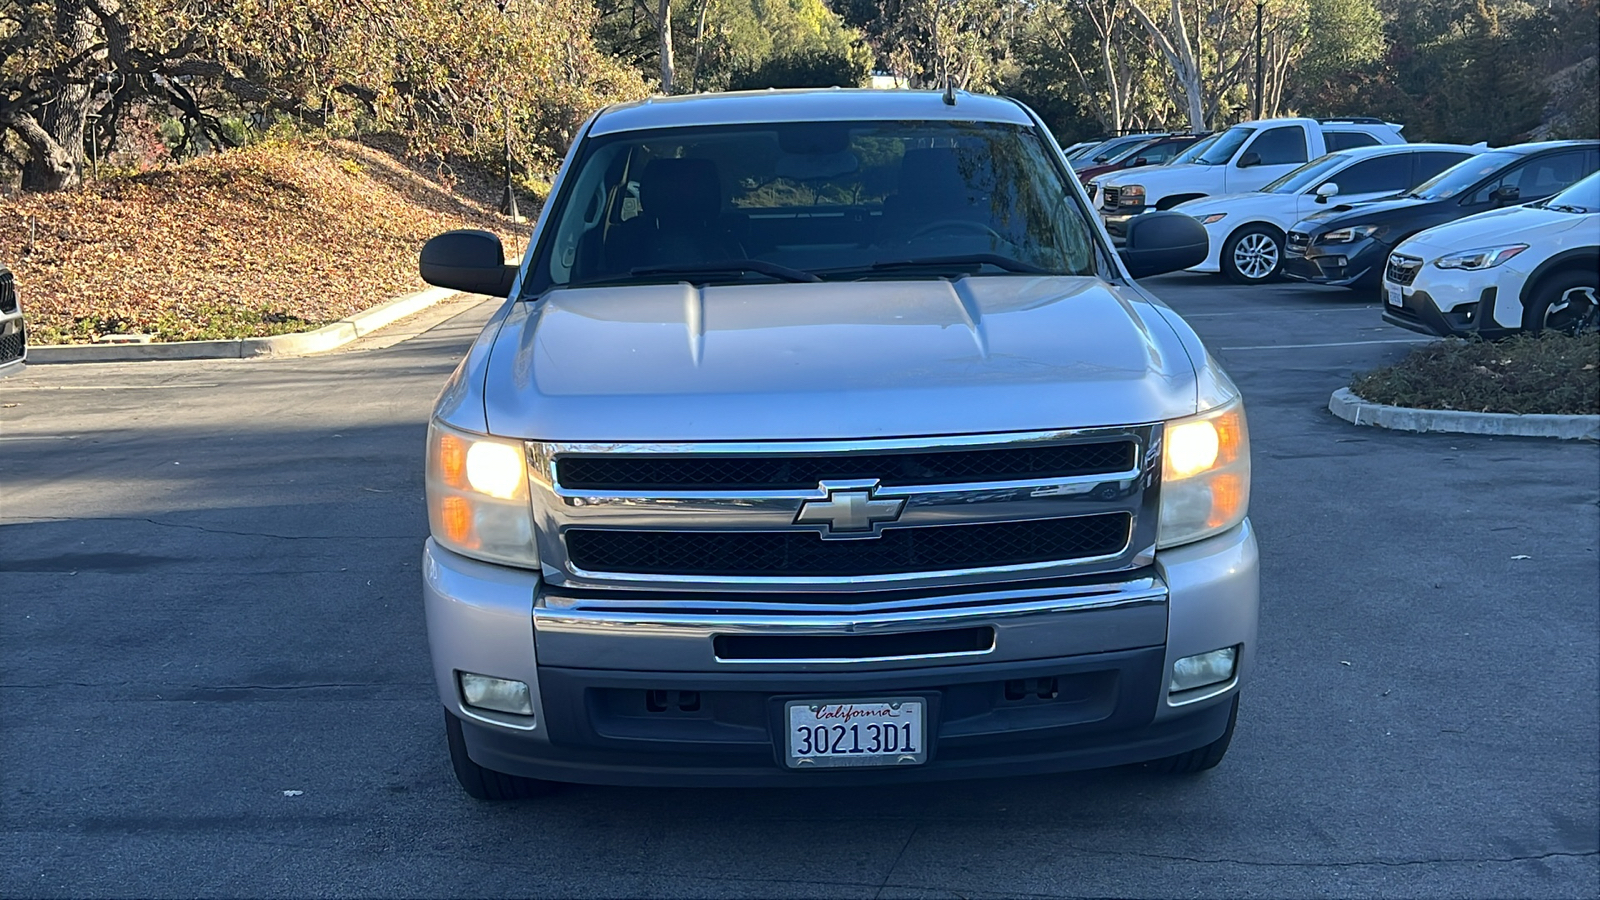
477	490
1349	235
1213	219
1482	258
1131	195
1205	481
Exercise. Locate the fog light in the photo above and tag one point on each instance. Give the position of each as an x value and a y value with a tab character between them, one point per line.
1206	668
498	694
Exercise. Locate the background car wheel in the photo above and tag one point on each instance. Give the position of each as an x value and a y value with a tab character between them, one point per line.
487	784
1252	255
1201	758
1568	302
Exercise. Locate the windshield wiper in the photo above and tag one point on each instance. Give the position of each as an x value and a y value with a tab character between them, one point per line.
691	271
969	262
1562	207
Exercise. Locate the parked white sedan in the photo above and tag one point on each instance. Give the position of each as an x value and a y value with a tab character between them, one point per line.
1523	268
1247	230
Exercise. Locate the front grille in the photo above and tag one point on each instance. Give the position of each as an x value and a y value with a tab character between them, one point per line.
12	345
804	553
1297	242
653	472
1113	197
8	293
1403	270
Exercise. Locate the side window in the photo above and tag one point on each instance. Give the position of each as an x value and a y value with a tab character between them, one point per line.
1536	178
1431	164
1391	173
1160	153
1281	146
1344	140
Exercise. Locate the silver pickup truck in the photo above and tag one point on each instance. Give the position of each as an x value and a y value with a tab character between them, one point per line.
825	439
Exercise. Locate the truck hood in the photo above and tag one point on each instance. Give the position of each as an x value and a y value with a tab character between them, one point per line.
834	360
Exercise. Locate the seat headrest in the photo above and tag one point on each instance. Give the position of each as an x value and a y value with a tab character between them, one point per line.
681	189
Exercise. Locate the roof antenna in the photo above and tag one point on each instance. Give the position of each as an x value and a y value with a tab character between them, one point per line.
949	89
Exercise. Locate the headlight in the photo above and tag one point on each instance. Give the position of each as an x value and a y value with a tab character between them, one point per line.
1132	195
1213	219
1205	481
1482	258
1349	235
478	496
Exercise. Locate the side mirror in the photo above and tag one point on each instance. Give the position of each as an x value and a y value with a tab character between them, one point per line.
1251	158
1160	242
467	260
1327	192
1506	193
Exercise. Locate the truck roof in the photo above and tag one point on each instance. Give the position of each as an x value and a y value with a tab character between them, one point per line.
806	105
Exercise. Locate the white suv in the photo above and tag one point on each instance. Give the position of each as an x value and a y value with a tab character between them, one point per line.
1247	230
1244	158
1525	268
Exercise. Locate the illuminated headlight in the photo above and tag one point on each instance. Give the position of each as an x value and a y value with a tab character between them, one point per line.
1349	235
478	496
1202	669
1213	219
1482	258
498	694
1132	195
1205	481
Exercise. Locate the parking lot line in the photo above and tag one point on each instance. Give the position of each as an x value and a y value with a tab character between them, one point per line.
1255	310
1418	340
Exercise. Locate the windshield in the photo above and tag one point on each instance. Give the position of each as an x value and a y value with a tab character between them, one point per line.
1583	197
1224	148
1295	181
1193	152
1463	175
798	201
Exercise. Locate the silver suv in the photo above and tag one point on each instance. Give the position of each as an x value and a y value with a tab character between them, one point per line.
825	439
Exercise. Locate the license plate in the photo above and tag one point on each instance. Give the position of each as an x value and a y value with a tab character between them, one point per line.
1396	296
880	731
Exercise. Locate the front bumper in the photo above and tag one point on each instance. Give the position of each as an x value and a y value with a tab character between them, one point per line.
1457	302
594	662
1356	264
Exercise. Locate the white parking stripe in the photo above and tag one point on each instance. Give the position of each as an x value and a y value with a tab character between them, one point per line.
1261	309
1419	340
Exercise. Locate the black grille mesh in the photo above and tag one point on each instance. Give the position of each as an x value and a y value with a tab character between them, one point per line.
1298	241
1403	272
11	346
664	473
800	553
8	293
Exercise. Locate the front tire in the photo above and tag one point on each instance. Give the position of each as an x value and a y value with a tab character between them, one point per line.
486	784
1565	302
1253	255
1201	758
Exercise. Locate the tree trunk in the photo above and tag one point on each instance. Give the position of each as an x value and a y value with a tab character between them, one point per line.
664	31
1179	51
55	160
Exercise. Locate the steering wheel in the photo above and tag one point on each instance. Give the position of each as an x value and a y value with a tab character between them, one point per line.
957	225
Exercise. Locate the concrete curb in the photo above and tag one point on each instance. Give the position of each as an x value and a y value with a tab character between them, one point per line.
1357	411
328	337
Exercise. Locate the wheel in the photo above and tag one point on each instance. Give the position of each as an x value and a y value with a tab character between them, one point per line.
1565	302
1200	758
487	784
1252	255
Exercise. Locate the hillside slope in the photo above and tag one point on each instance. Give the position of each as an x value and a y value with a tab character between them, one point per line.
277	237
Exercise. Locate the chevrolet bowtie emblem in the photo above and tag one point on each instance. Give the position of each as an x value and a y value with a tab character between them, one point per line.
850	511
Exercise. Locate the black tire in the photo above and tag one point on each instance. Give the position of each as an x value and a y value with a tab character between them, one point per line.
487	784
1264	245
1566	301
1200	758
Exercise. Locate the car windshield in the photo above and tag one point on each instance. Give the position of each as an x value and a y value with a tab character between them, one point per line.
1463	175
1193	152
1583	197
1223	150
807	200
1299	179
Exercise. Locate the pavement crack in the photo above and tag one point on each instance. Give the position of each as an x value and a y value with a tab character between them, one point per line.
889	873
284	537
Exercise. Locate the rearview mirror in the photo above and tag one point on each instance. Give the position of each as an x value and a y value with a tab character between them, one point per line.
1160	242
1327	192
1140	161
467	260
1506	193
1251	158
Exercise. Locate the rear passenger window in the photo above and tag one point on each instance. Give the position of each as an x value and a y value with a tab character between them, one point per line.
1344	140
1389	174
1281	146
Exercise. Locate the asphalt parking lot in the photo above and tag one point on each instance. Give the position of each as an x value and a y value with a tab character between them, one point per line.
214	678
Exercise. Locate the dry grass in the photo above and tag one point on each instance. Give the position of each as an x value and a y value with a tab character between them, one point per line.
277	237
1549	373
